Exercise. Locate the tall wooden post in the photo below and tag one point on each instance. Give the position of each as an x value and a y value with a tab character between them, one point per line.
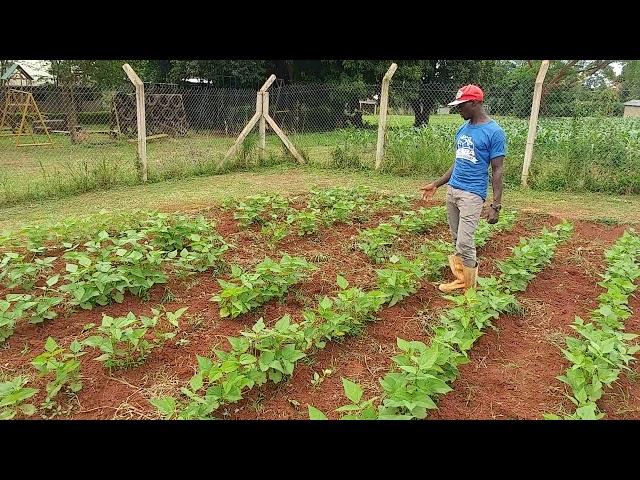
533	121
382	121
263	126
141	120
265	108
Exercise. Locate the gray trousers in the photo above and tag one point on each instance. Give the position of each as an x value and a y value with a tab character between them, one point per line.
463	213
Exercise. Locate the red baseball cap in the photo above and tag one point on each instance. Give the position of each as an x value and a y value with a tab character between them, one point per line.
466	93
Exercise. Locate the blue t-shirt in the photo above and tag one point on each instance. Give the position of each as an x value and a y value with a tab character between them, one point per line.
476	146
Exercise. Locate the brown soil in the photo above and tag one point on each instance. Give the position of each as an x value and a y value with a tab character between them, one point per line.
511	373
512	370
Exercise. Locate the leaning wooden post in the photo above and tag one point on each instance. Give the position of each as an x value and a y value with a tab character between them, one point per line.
141	120
285	140
263	112
533	121
249	126
272	123
382	121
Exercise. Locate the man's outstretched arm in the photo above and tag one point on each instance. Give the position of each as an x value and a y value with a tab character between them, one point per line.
429	189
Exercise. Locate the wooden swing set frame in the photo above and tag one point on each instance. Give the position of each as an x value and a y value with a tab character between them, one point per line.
20	102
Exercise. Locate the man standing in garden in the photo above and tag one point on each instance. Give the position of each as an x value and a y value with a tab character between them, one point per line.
479	142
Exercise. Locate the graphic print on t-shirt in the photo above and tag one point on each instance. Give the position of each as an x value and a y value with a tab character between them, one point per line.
465	149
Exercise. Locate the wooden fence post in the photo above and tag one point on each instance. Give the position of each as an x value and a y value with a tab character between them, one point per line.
262	112
533	121
263	126
382	120
141	120
248	127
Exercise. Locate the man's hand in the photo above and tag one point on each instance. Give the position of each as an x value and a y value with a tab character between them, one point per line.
428	190
493	215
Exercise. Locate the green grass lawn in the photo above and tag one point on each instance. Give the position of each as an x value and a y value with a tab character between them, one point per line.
195	193
34	173
37	172
564	159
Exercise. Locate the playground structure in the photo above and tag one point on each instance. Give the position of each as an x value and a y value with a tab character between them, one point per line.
23	118
20	115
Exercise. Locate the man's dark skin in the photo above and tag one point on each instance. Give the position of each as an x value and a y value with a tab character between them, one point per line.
474	111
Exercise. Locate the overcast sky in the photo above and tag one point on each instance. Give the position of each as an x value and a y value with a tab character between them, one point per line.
617	67
40	67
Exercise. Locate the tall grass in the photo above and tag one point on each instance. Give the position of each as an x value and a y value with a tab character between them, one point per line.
570	154
575	154
64	169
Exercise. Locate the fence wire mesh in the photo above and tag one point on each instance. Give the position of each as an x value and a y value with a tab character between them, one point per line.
78	146
586	138
193	126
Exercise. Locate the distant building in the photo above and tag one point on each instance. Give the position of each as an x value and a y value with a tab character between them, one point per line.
15	76
25	73
632	108
369	104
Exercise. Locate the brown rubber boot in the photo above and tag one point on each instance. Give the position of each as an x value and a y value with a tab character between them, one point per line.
456	266
450	287
470	276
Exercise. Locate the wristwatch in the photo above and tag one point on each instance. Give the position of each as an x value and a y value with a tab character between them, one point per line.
497	208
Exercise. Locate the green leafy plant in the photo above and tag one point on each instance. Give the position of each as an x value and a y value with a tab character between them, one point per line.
421	221
16	307
275	232
375	243
15	272
64	366
123	339
191	244
356	410
110	267
12	395
306	221
278	349
248	290
400	279
410	391
260	209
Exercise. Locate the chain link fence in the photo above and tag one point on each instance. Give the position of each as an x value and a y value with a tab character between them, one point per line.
586	138
190	128
78	146
80	112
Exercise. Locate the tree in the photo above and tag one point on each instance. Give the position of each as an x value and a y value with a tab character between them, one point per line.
4	64
221	73
66	74
102	73
569	73
433	74
629	81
